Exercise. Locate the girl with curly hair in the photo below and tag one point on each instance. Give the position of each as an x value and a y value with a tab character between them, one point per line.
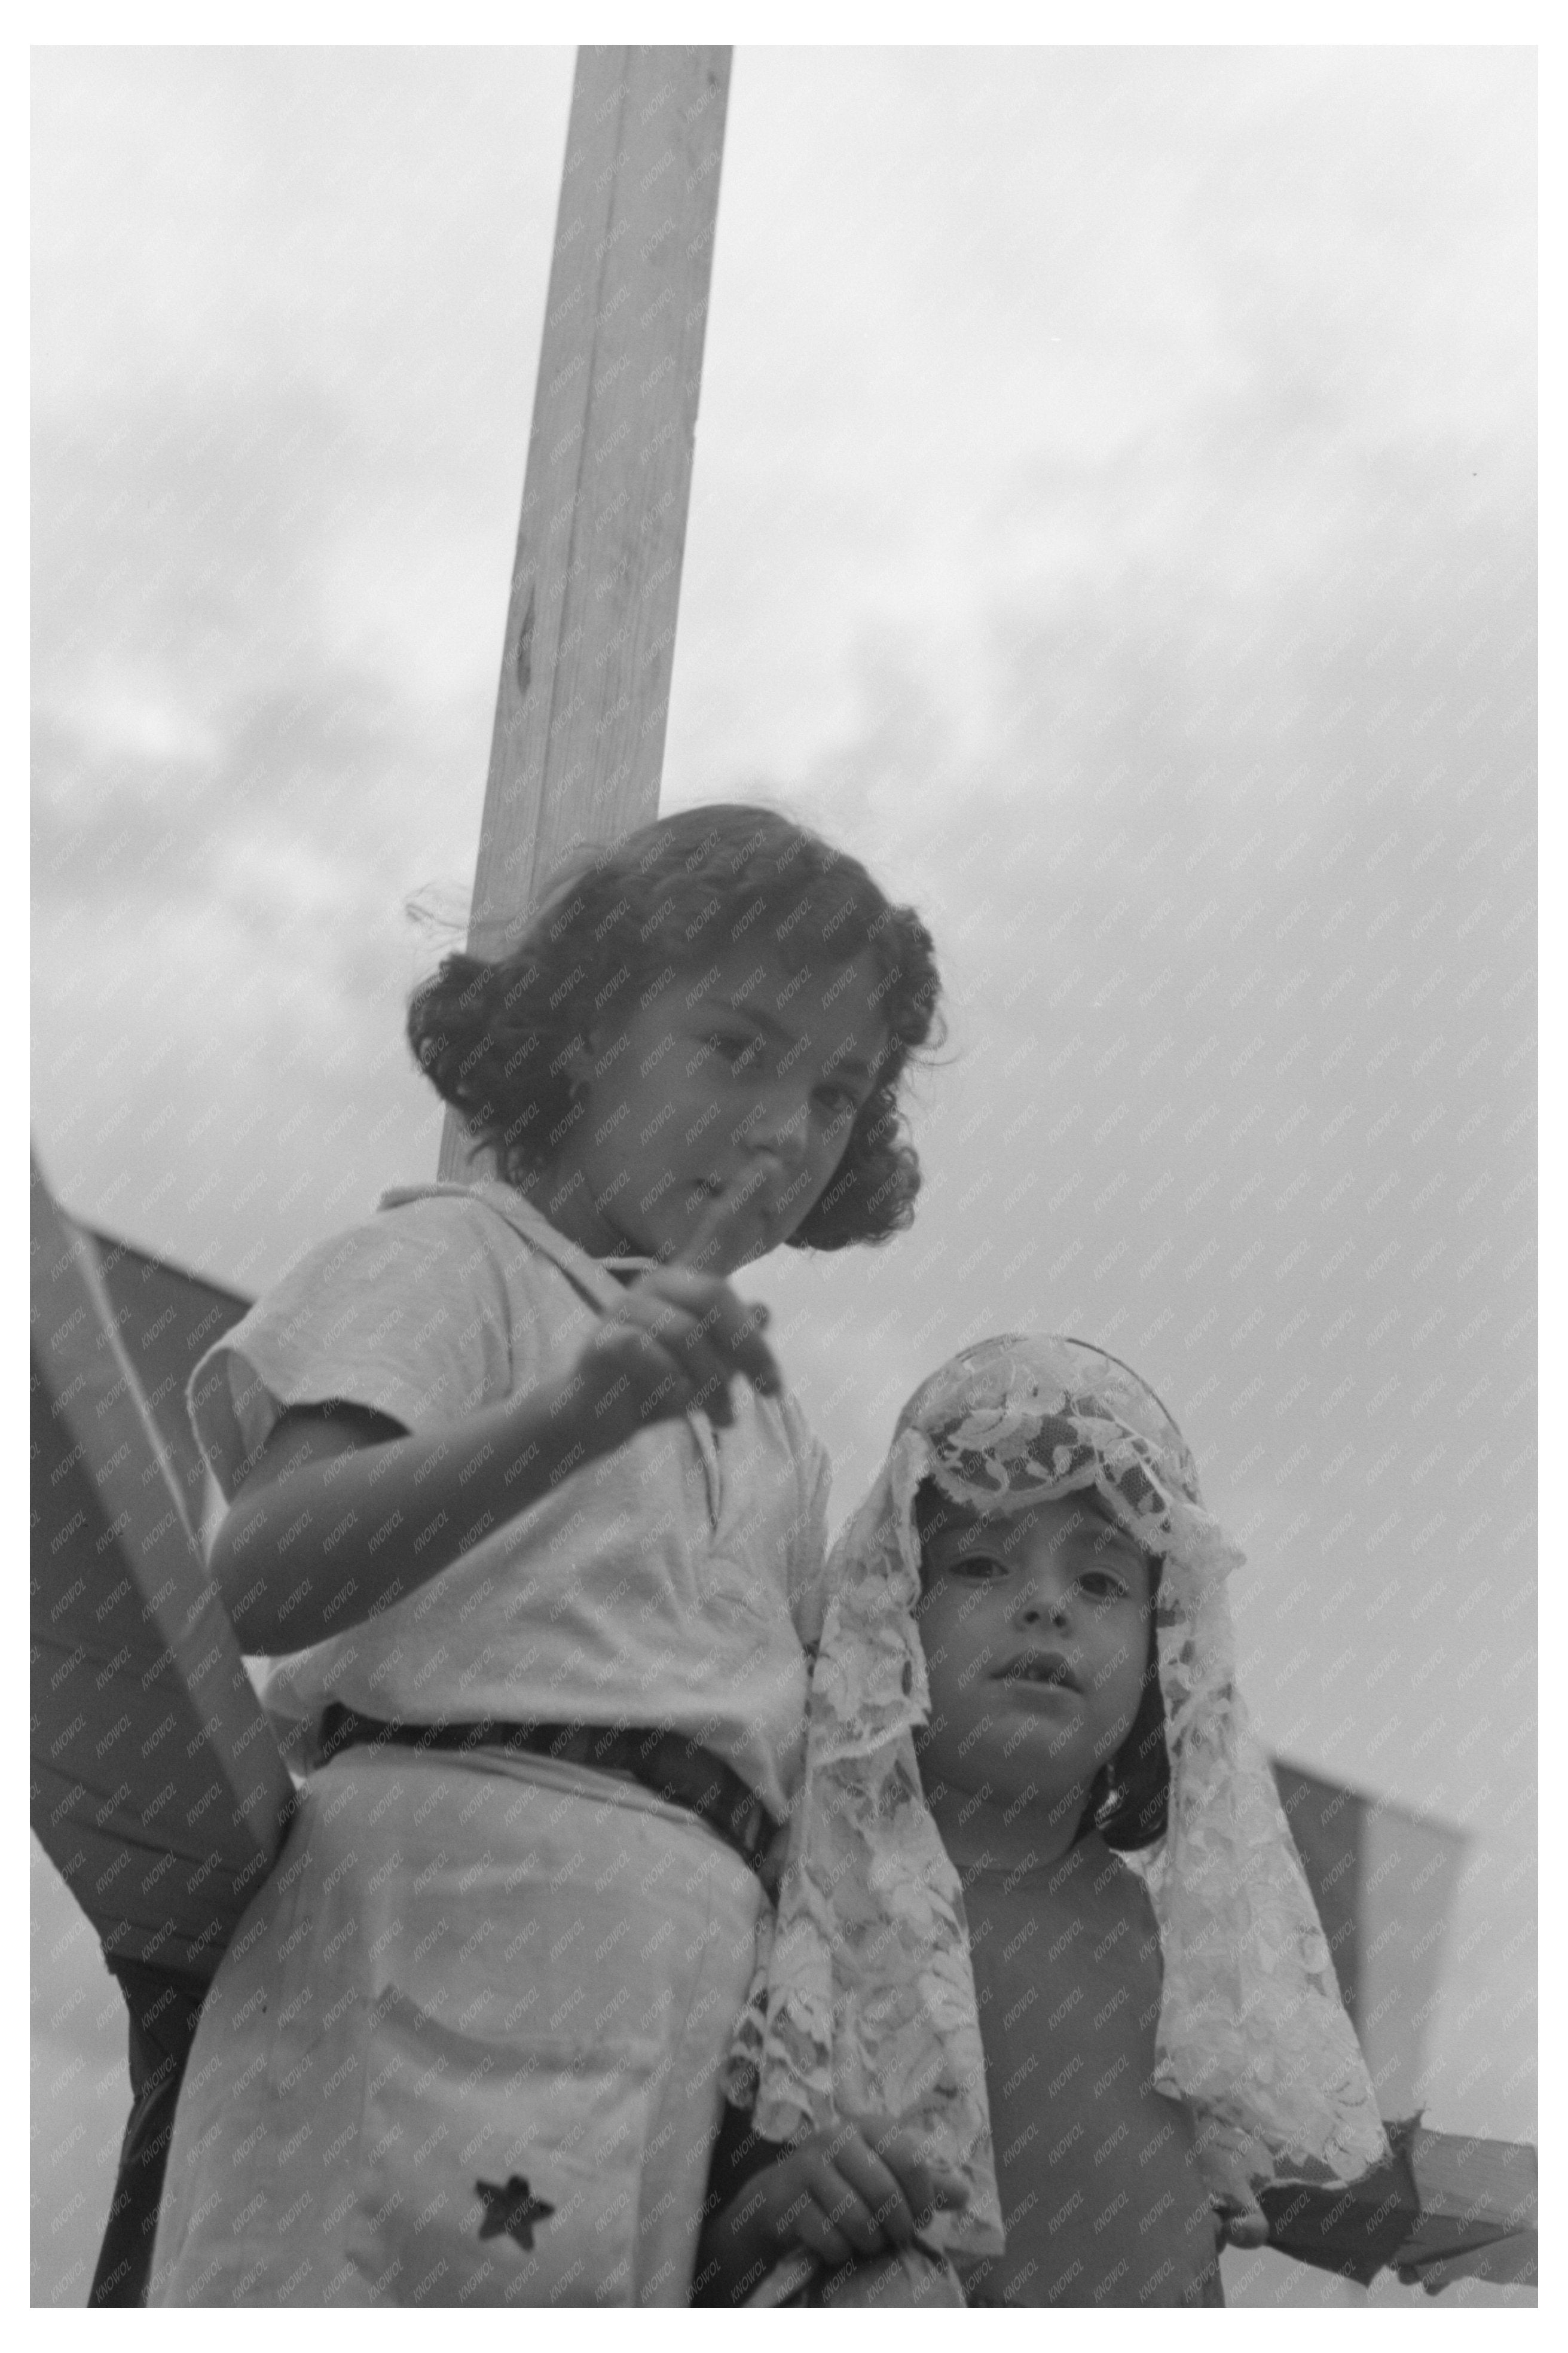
532	1533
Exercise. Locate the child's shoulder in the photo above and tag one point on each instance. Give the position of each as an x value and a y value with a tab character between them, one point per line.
487	1208
435	1295
415	1234
481	1231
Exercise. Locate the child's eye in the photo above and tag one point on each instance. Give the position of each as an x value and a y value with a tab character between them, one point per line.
1103	1585
838	1102
733	1049
978	1565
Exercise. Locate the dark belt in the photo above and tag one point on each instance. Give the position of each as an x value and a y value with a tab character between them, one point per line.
680	1771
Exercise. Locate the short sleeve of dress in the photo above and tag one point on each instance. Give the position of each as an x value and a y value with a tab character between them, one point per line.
808	1535
408	1315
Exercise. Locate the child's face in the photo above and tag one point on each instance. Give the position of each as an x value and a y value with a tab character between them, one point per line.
1036	1630
740	1078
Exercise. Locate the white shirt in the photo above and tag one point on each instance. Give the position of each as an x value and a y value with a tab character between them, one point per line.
675	1582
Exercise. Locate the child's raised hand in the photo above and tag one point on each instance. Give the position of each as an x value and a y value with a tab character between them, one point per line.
676	1340
691	1333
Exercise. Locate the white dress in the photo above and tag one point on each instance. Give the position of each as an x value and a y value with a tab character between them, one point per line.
465	2045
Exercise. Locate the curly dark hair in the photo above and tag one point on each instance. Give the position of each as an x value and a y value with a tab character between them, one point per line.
1129	1798
495	1035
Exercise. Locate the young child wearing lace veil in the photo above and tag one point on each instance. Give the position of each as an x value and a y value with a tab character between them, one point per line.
1050	2005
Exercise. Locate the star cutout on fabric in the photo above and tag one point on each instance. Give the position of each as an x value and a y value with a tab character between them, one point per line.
512	2211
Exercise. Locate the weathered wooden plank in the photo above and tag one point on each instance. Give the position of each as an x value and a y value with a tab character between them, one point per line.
167	1319
578	742
157	1788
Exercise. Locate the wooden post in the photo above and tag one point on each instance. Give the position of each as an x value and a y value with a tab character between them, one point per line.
157	1788
590	634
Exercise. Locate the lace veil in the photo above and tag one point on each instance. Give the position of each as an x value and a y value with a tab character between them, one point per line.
864	2001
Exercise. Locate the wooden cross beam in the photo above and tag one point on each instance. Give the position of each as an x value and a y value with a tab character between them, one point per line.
590	634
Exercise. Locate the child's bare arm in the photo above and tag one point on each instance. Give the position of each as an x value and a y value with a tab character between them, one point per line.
854	2191
342	1514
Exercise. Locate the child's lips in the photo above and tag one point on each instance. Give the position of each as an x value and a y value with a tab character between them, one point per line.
742	1191
1039	1671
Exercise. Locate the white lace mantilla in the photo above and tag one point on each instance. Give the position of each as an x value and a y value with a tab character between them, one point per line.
864	2001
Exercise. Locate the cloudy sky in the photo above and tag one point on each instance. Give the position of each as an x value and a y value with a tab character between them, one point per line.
1113	518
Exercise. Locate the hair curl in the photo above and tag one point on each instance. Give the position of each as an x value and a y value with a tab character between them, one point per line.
495	1037
1129	1798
